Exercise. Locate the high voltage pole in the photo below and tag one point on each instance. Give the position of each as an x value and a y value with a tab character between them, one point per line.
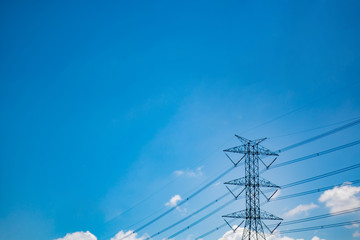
325	134
253	216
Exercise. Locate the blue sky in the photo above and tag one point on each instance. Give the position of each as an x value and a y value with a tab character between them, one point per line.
103	103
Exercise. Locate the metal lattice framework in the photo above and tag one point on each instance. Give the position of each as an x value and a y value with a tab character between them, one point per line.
253	216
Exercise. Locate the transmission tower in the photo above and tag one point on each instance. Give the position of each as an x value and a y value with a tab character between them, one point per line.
252	183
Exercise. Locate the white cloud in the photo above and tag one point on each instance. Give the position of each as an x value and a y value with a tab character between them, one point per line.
356	234
173	201
179	172
354	225
317	238
230	235
89	236
282	238
190	173
122	234
300	209
341	198
79	236
217	184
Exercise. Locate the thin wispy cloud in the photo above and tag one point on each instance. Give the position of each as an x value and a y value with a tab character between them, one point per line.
302	208
354	225
133	236
190	173
356	234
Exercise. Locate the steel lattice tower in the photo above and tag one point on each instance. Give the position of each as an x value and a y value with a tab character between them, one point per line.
253	216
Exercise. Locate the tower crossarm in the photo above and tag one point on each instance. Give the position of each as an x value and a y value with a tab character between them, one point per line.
252	183
266	183
239	181
268	216
255	149
242	214
242	182
238	214
239	149
242	139
265	152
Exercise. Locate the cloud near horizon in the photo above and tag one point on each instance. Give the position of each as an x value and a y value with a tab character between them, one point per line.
89	236
78	236
317	238
356	234
341	198
230	235
122	234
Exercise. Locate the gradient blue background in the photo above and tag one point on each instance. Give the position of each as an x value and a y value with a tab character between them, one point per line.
102	101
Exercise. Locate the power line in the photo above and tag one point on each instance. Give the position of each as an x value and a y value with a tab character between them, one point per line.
302	107
264	123
328	174
142	201
279	198
253	215
327	215
189	216
147	198
312	191
286	223
148	216
321	227
343	127
230	169
281	150
314	155
284	186
303	193
312	129
215	229
203	218
179	204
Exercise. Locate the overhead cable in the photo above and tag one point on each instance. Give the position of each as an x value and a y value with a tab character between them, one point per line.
343	127
320	227
274	166
286	223
279	198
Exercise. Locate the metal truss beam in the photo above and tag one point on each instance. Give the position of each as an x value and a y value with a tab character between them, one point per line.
252	182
